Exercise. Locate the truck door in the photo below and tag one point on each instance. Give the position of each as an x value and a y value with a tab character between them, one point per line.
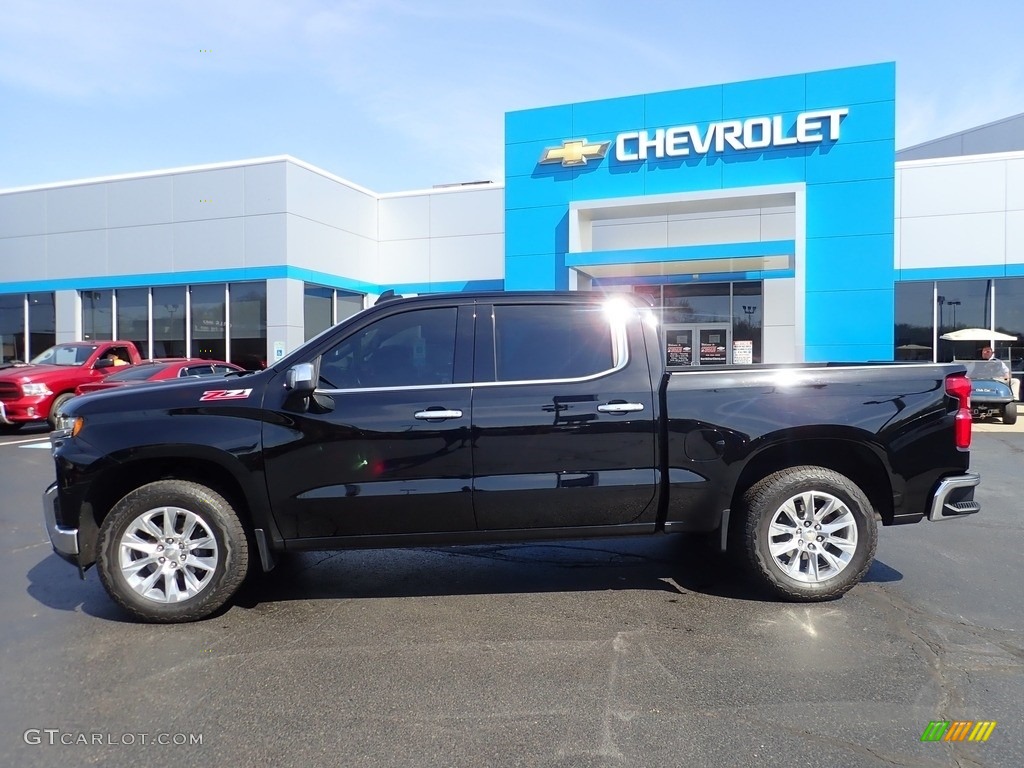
563	416
383	448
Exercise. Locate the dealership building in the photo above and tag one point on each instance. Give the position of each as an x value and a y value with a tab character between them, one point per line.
767	221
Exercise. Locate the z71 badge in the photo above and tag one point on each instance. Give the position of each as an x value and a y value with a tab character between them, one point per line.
225	394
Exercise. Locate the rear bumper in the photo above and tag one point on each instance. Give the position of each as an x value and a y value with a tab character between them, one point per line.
954	497
64	540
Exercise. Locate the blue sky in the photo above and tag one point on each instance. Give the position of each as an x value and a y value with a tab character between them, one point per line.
399	95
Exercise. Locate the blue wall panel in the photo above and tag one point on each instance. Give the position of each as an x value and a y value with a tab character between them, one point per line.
607	115
695	105
848	187
855	263
542	123
754	98
851	208
853	85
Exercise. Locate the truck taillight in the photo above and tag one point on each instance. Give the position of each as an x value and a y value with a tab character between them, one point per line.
959	386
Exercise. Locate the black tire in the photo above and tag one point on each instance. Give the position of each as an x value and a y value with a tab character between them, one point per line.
1010	413
797	575
58	402
216	571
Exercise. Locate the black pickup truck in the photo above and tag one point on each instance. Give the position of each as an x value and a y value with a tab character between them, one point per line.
468	418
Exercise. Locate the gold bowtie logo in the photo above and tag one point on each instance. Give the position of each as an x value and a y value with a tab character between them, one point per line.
574	152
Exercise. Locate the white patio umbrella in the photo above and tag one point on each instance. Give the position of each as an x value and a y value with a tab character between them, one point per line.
977	334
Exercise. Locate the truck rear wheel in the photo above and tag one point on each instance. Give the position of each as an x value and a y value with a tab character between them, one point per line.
172	551
809	533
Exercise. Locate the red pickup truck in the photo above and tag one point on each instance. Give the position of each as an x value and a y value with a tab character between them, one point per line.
33	392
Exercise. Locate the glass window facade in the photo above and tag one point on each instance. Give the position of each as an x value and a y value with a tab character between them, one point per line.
928	309
248	337
738	306
317	310
208	308
21	342
182	321
169	322
97	315
133	318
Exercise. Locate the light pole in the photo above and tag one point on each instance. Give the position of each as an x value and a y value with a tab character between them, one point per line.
942	321
954	305
748	310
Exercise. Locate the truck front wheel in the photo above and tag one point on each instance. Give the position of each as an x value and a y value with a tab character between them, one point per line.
55	408
809	533
172	551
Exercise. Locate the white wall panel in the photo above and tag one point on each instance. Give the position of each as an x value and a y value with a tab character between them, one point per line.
312	245
266	240
950	241
473	212
941	190
215	194
720	229
214	244
615	236
405	218
1015	185
140	250
1015	237
319	198
284	314
405	261
778	226
475	257
76	254
134	202
265	188
73	209
780	344
779	301
23	258
897	239
22	213
67	316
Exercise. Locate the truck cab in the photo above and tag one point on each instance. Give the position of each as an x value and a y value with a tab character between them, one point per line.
34	392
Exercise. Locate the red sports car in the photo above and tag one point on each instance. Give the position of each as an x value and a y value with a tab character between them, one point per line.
160	369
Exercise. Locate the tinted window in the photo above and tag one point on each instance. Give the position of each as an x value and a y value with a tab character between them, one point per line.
414	348
196	370
137	373
551	342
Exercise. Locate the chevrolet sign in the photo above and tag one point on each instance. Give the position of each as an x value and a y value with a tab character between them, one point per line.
755	133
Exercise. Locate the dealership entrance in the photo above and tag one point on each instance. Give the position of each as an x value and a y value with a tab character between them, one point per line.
689	345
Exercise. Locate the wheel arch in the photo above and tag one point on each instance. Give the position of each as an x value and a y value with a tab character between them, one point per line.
854	459
117	480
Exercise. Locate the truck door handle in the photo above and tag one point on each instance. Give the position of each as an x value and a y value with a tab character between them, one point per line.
617	406
440	413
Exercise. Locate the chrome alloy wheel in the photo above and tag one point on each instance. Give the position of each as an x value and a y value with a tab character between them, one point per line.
168	554
812	537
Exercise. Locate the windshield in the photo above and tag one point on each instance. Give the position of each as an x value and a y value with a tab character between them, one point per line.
65	354
984	369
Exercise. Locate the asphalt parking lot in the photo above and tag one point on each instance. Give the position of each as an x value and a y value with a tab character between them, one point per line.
595	653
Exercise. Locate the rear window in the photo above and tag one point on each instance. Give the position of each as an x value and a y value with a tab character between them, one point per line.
137	373
552	341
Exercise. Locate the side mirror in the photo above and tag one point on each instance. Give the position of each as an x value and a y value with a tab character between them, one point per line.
301	378
103	362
